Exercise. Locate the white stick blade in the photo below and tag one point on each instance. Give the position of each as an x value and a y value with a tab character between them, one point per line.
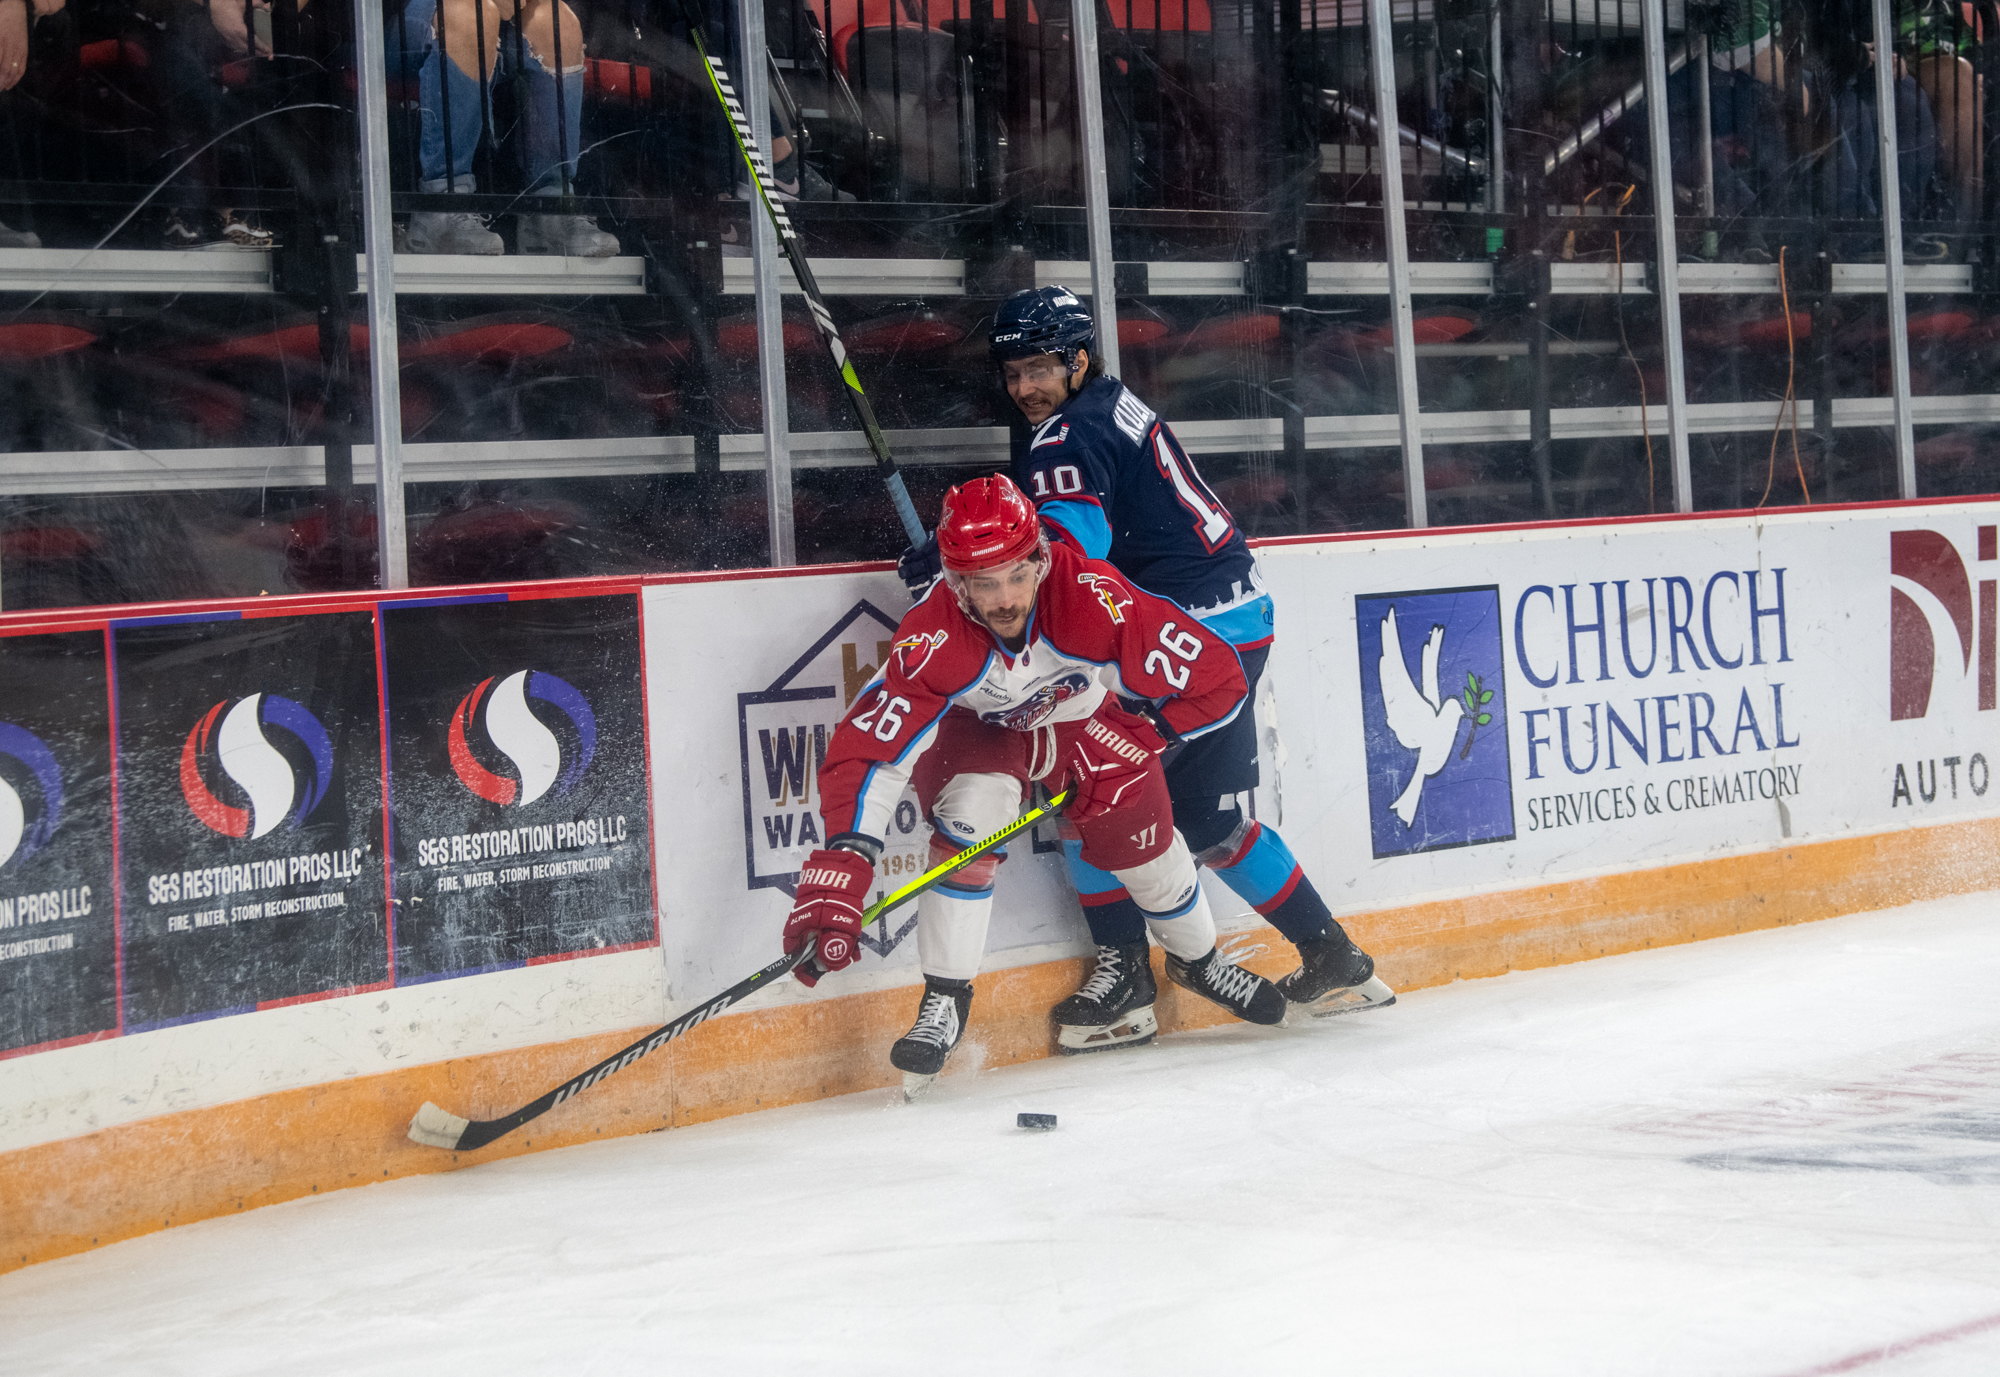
433	1127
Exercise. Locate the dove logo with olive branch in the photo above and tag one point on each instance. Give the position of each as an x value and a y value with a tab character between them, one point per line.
1434	778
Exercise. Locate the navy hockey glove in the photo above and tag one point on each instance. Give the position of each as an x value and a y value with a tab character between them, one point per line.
920	566
833	886
1108	762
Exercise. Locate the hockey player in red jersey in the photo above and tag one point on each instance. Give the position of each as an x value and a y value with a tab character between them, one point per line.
1009	672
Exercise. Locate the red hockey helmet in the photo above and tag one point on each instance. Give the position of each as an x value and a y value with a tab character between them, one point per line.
988	523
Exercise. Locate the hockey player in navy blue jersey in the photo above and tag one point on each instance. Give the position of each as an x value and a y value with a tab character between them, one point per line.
1110	479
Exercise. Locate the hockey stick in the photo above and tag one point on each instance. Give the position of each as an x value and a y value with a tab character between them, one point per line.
434	1127
788	240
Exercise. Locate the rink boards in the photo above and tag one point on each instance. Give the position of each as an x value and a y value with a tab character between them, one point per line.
275	873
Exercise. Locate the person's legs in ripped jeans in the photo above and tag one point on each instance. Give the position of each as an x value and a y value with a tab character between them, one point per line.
460	49
449	46
542	52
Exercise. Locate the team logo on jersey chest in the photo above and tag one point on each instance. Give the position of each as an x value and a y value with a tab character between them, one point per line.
1030	714
1109	592
1047	439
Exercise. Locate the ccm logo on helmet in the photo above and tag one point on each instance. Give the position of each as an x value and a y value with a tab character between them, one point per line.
1009	337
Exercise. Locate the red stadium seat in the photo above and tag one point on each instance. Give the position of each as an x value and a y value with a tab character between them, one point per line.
1140	332
623	83
1243	330
284	344
1442	327
852	23
1762	334
30	341
904	332
499	344
112	54
1163	16
736	337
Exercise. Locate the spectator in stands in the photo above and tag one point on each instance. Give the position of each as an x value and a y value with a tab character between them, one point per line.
17	23
1932	37
196	41
539	46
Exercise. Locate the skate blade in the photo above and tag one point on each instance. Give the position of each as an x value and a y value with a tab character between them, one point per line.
1369	994
915	1085
1136	1029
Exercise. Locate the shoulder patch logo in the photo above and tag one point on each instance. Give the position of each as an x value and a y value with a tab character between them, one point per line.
1109	591
1132	416
914	652
1047	439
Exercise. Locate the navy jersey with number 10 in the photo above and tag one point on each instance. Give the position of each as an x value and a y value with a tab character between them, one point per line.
1107	474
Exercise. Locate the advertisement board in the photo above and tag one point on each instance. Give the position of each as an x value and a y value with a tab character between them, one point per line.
58	913
250	812
517	762
1663	691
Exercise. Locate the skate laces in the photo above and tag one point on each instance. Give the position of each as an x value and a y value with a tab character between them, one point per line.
1241	949
1103	980
1232	982
935	1020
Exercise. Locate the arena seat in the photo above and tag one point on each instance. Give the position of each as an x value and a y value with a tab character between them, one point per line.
620	83
1161	16
736	336
113	54
1770	331
33	341
917	330
852	23
1236	330
496	343
298	342
1437	327
1142	332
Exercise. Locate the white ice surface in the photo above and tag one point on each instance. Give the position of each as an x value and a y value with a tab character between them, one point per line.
1503	1176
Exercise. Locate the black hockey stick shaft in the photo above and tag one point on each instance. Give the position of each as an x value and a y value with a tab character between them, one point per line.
434	1127
795	253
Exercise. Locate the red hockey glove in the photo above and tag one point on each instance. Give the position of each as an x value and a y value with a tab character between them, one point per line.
833	888
1108	761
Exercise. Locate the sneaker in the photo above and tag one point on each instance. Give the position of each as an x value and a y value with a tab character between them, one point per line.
239	233
571	236
183	230
1926	248
920	1053
1335	977
452	231
1115	1006
798	180
1245	994
11	238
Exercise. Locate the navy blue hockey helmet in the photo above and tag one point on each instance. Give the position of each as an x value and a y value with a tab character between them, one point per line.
1047	320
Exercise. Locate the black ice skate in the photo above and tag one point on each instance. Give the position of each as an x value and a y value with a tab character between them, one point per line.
1115	1006
920	1053
1245	994
1335	977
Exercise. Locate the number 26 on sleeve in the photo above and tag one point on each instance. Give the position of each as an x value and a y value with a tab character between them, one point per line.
891	719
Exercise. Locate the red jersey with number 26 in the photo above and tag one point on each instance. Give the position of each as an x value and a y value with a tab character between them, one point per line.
1091	632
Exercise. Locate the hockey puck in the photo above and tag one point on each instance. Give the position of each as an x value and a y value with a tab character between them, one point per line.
1038	1121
